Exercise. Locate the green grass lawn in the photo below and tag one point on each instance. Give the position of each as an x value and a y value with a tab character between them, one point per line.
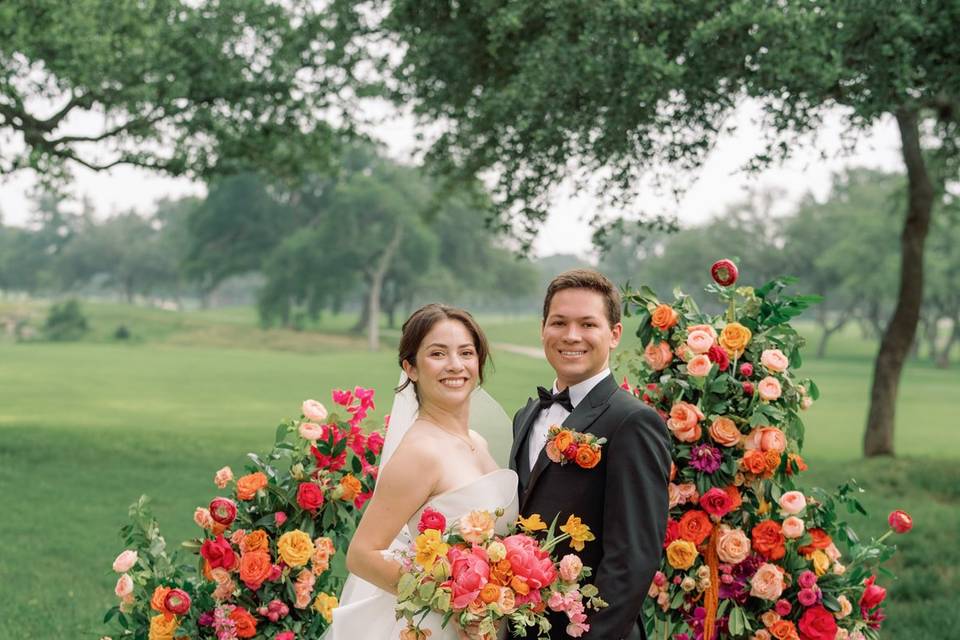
85	428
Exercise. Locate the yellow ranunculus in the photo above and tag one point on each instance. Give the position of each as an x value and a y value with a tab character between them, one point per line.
734	339
579	532
430	545
681	554
324	605
821	562
295	548
162	627
531	524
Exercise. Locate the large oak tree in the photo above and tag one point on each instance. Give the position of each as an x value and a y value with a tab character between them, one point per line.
538	91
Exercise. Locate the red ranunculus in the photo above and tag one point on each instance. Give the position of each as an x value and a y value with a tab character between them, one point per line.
718	355
873	594
817	623
570	453
768	540
724	272
218	553
432	519
223	511
900	521
309	497
716	502
177	602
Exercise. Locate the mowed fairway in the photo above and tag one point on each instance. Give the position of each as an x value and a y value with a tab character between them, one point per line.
86	428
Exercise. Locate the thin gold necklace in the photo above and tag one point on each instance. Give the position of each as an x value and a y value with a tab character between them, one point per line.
466	439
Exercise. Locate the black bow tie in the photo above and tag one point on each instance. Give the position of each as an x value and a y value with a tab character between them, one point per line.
562	398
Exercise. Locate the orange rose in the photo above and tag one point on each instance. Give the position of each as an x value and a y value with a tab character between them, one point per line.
255	566
489	593
156	600
771	461
351	487
255	541
663	317
768	540
587	456
695	526
734	339
563	440
821	540
501	572
735	499
246	623
753	461
248	485
724	432
783	630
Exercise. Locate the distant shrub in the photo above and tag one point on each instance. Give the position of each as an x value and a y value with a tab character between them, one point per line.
122	333
65	322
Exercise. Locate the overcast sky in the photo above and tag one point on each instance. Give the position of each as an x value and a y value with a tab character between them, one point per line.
715	186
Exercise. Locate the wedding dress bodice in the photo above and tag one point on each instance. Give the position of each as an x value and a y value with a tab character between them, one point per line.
489	492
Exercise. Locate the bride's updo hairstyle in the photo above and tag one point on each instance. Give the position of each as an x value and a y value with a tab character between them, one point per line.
419	324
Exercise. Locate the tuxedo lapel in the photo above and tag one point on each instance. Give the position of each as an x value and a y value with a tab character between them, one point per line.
584	415
517	461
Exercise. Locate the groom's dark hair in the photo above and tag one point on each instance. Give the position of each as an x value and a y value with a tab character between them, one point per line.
585	279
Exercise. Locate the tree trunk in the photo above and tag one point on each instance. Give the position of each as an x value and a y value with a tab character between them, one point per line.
829	330
376	285
900	331
943	356
930	334
362	320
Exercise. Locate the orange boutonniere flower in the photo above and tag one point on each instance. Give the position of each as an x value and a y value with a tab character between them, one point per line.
566	445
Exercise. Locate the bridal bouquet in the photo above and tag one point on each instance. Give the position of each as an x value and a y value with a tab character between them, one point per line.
748	553
467	572
267	562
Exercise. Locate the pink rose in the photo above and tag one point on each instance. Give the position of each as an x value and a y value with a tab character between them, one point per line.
700	341
311	431
699	366
767	582
469	572
769	389
774	360
124	586
807	579
793	527
223	477
125	561
792	502
766	439
314	411
716	502
807	597
658	356
570	567
733	545
783	607
688	492
203	519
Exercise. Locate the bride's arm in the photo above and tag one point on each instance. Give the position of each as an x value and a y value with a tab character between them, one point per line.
403	487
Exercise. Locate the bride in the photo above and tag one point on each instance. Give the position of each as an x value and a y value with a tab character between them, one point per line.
435	460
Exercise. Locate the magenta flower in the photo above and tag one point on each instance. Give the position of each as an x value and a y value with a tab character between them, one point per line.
705	458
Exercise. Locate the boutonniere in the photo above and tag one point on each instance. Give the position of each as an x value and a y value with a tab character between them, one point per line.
566	445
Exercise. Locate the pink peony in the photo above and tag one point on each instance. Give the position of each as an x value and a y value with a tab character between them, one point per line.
769	389
792	502
529	562
223	477
774	360
125	561
699	366
469	572
570	567
314	411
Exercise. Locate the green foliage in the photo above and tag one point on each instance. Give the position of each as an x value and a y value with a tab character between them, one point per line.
65	322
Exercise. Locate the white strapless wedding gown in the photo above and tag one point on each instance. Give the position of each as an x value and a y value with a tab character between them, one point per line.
366	612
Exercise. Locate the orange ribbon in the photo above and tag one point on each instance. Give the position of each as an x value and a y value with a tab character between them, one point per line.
711	596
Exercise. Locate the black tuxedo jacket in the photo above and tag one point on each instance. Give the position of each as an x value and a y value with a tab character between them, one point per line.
623	500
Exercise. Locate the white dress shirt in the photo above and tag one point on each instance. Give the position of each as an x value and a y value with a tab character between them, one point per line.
556	414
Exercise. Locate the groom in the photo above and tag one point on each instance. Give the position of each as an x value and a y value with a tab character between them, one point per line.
623	499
